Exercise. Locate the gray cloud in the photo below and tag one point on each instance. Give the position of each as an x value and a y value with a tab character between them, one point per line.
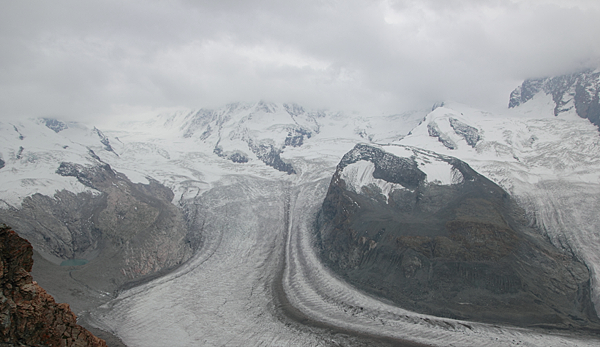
81	60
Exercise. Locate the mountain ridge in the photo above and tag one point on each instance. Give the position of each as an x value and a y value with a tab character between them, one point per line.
578	91
201	163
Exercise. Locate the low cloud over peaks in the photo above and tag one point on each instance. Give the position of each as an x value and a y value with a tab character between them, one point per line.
80	60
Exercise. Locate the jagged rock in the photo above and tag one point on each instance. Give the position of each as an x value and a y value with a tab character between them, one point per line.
434	131
55	125
579	90
2	163
268	154
104	140
469	133
236	156
28	315
295	137
459	248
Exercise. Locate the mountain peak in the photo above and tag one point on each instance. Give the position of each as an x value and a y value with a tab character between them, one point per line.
571	92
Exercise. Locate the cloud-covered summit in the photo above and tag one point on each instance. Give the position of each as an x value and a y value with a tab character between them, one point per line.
73	59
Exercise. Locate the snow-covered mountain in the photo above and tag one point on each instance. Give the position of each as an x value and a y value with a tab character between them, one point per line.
574	92
225	201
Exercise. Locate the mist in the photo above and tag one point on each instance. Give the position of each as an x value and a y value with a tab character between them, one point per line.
97	60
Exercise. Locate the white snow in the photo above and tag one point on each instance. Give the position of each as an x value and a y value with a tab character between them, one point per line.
360	174
439	172
224	296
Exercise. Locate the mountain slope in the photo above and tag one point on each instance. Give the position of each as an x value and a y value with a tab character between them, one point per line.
252	222
431	234
574	92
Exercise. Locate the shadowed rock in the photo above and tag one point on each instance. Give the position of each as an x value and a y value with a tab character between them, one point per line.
460	250
580	90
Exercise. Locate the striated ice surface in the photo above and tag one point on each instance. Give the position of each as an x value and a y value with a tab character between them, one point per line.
258	275
256	281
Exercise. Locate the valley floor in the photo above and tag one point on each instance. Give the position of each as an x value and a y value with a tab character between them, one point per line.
258	243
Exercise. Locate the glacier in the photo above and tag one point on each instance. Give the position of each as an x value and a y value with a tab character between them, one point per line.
256	280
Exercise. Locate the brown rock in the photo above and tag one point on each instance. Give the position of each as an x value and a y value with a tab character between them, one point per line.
28	315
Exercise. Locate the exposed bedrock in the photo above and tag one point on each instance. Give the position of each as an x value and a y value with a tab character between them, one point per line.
28	315
460	249
120	233
579	90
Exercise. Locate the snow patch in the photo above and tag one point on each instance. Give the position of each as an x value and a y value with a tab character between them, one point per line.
360	174
400	151
14	190
439	172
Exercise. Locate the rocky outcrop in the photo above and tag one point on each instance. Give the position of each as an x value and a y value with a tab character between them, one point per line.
457	247
121	231
578	90
233	134
295	137
28	315
104	140
54	124
434	131
469	133
235	156
270	155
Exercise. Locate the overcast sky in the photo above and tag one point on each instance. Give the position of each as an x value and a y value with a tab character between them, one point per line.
90	59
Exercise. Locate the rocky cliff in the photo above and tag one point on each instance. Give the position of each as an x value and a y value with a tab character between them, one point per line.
429	233
579	91
28	315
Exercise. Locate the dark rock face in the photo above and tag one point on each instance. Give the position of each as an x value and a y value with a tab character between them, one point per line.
460	250
2	163
388	167
434	131
469	133
268	154
28	315
55	125
236	156
104	140
295	137
579	90
126	231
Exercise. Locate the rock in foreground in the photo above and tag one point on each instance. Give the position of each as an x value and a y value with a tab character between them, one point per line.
28	315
